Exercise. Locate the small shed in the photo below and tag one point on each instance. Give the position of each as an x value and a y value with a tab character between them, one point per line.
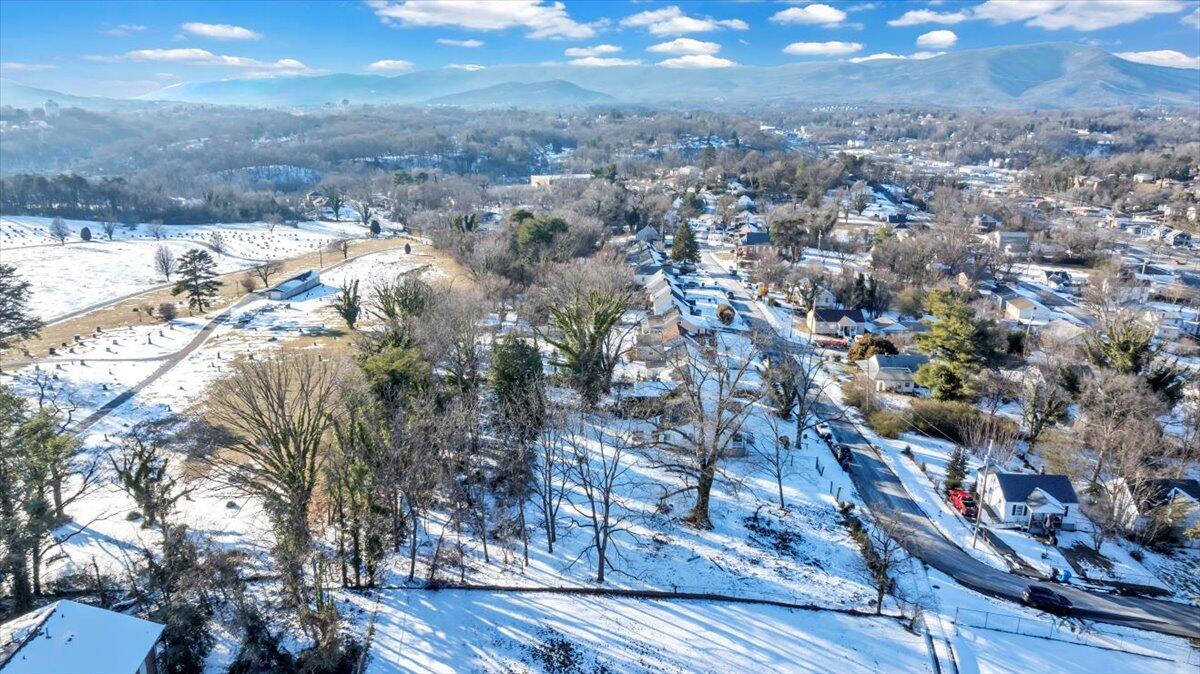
67	637
295	285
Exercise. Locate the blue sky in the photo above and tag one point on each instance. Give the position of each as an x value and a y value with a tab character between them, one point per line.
132	47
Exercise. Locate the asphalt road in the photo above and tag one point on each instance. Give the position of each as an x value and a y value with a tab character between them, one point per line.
887	499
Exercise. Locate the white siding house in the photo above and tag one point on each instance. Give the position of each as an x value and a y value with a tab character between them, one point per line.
1040	503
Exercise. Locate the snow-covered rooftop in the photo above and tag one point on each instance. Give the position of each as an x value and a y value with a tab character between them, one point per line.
77	638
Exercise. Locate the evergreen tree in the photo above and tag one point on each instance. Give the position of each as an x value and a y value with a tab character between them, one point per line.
348	304
519	387
956	469
197	279
85	234
15	320
684	248
958	342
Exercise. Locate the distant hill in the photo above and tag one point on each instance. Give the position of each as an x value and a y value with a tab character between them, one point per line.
552	94
1049	75
22	96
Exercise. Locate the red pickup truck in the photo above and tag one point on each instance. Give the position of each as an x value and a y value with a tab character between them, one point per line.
963	502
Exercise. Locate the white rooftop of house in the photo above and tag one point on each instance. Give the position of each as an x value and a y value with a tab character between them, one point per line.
75	638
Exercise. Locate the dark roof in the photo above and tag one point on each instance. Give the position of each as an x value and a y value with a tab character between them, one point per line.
1159	489
1016	487
835	315
906	361
755	239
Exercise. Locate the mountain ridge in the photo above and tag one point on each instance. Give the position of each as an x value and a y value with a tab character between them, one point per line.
1043	75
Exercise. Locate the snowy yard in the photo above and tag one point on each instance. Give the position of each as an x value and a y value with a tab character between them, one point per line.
66	278
459	631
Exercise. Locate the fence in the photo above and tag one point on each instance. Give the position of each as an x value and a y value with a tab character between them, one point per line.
1071	632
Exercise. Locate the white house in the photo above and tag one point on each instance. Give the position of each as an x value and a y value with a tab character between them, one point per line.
894	373
1025	310
1042	504
67	636
295	285
839	322
1176	502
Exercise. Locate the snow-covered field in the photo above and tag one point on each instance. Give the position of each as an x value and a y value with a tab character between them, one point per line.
67	278
468	631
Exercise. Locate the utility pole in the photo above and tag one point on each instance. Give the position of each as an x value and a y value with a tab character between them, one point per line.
987	462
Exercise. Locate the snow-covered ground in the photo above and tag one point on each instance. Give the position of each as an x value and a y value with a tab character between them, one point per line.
99	528
461	631
66	278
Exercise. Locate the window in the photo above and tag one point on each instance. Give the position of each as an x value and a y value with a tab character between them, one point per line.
1018	510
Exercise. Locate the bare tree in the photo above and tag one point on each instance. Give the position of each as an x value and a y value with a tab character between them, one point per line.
59	230
715	404
1044	402
144	473
277	411
552	468
109	227
217	241
1118	412
165	262
156	230
774	455
599	471
266	270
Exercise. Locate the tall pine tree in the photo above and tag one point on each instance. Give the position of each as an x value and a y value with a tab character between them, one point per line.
15	320
684	247
197	279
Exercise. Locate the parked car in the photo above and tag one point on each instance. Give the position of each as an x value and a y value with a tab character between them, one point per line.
1045	599
963	502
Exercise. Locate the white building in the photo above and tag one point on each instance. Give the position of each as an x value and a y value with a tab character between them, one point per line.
67	636
1039	503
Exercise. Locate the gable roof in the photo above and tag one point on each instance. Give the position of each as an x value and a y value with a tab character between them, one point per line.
1159	490
1017	487
835	315
77	638
905	361
755	239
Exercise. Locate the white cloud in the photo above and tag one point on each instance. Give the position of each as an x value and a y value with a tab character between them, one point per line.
466	66
584	52
878	56
601	62
887	56
822	48
469	44
125	29
542	20
221	31
1192	19
390	65
18	67
672	21
937	39
916	17
1162	57
1082	15
697	61
685	46
203	57
815	14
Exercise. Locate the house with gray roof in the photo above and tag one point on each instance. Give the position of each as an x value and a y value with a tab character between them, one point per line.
894	374
1041	504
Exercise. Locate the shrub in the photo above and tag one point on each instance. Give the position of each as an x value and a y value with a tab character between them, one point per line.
857	394
945	420
887	423
868	345
168	311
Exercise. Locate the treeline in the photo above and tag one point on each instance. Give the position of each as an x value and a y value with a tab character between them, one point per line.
121	200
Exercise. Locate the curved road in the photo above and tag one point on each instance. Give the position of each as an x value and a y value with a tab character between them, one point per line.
888	500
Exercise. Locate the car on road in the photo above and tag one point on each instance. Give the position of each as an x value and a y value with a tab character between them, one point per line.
1045	599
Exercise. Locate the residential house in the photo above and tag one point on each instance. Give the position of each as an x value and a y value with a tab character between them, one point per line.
648	235
297	284
1013	243
1061	332
894	374
754	245
1024	310
67	636
1174	503
839	322
1042	504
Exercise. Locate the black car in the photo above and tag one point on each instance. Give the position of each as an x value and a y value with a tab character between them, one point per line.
1040	597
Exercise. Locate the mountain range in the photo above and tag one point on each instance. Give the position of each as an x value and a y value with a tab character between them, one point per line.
1048	75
